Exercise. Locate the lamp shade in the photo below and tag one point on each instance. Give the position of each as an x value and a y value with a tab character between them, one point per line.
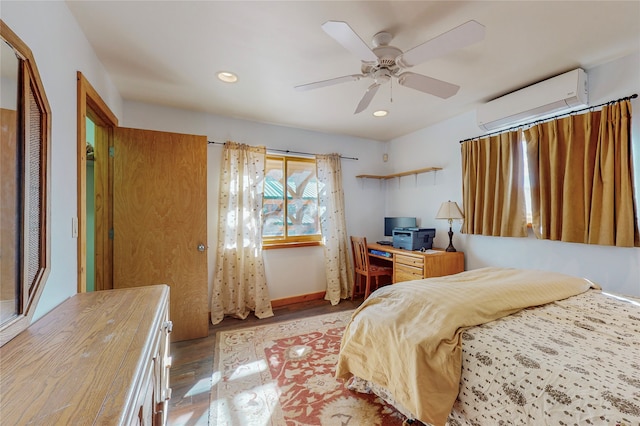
449	210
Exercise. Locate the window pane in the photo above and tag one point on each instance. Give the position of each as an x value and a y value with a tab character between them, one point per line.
302	198
527	182
273	201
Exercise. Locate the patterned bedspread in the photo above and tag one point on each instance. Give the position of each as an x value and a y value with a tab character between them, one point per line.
570	362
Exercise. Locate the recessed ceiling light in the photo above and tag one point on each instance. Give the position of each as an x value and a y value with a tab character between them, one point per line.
380	113
227	77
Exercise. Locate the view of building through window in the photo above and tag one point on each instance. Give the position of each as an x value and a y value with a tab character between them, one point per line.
527	182
296	179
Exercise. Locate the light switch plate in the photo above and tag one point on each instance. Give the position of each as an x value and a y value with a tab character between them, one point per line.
74	227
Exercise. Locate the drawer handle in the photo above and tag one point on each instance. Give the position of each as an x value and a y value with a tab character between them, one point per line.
168	325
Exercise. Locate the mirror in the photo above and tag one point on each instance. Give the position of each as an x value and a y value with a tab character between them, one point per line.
24	185
9	244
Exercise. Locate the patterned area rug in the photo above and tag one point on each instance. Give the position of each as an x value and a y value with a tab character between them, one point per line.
283	374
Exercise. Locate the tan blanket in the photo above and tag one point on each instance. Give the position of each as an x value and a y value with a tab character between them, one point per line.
407	337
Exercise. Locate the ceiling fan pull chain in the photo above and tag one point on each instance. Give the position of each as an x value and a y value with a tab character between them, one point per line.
391	91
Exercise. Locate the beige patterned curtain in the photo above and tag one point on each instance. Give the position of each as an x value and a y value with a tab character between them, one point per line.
334	230
493	186
239	284
582	178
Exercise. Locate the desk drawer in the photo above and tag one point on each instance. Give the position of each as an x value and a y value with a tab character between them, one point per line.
415	261
406	273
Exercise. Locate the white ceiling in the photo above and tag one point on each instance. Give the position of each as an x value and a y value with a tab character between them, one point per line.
168	52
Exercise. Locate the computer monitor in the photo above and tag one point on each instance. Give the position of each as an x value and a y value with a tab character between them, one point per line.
397	222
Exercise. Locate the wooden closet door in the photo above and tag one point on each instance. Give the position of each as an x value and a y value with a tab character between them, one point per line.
160	221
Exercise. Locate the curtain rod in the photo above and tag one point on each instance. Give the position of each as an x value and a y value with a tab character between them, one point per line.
635	95
286	151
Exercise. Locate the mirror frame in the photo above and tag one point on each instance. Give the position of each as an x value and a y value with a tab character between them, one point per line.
30	85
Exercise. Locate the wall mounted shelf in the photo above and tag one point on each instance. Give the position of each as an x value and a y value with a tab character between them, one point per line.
395	175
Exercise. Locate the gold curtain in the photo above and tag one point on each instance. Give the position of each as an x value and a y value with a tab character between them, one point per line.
493	186
581	176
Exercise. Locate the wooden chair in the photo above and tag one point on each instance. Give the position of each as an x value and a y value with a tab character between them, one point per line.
363	268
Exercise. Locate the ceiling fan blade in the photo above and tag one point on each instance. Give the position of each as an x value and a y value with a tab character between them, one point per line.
366	99
330	82
344	34
429	85
464	35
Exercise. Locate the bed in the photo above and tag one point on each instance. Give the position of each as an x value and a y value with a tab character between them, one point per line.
498	346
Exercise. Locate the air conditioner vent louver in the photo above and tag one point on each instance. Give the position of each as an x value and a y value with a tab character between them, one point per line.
554	95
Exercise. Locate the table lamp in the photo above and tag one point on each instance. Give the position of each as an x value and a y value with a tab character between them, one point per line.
449	210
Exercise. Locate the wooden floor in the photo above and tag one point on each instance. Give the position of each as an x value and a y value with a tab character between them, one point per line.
192	365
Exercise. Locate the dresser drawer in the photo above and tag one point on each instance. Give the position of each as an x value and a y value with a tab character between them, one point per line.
416	261
406	273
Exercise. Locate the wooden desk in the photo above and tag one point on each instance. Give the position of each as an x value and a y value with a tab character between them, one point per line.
415	265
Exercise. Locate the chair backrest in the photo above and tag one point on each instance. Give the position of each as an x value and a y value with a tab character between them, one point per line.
360	255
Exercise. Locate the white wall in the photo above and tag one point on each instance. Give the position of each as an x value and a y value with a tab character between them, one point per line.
60	49
616	269
292	271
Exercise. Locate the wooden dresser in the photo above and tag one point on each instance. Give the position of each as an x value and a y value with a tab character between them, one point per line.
415	265
98	358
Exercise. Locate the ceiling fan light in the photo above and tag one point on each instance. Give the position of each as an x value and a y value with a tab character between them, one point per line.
227	77
381	75
380	113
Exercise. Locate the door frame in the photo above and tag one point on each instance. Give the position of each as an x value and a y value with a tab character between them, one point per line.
91	105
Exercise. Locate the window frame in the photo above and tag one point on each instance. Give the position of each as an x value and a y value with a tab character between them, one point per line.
271	242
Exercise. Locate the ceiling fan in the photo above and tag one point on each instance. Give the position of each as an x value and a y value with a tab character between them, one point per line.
385	61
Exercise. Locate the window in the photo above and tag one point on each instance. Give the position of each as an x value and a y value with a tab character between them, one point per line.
527	183
291	192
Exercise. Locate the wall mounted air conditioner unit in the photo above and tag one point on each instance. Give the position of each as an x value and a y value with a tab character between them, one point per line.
557	94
